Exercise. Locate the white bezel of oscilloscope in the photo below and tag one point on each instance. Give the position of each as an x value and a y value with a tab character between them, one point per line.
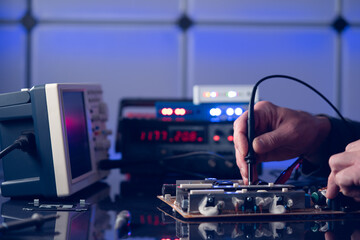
65	185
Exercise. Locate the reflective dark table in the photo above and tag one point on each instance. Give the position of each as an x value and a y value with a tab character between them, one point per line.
114	210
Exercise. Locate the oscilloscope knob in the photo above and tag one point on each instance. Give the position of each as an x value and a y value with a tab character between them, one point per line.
103	111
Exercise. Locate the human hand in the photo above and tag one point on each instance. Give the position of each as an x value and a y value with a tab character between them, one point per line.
345	169
281	134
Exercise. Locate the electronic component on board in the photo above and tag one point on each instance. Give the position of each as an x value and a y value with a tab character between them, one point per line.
69	125
211	198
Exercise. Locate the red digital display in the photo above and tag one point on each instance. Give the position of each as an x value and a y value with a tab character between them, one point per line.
174	136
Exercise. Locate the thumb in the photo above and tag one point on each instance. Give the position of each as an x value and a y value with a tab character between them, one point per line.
270	141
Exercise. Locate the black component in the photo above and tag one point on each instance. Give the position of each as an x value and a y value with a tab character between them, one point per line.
249	205
27	142
168	189
318	198
210	201
343	203
281	201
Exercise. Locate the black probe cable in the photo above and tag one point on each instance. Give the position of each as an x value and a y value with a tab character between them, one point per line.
250	157
25	142
9	149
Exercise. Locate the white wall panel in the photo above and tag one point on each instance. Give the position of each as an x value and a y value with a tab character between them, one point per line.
351	73
12	58
305	11
110	10
230	55
351	11
12	10
128	61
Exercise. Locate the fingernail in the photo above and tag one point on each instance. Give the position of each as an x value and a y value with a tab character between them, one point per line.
259	142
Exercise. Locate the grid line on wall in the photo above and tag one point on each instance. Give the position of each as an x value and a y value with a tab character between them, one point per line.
184	22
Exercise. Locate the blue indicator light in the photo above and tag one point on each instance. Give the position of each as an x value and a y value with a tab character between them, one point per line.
238	111
230	111
215	112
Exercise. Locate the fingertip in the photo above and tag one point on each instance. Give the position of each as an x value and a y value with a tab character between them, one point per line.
331	194
245	180
242	172
332	188
242	166
244	175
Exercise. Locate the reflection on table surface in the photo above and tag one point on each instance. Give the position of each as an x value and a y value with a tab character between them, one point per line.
269	230
149	218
